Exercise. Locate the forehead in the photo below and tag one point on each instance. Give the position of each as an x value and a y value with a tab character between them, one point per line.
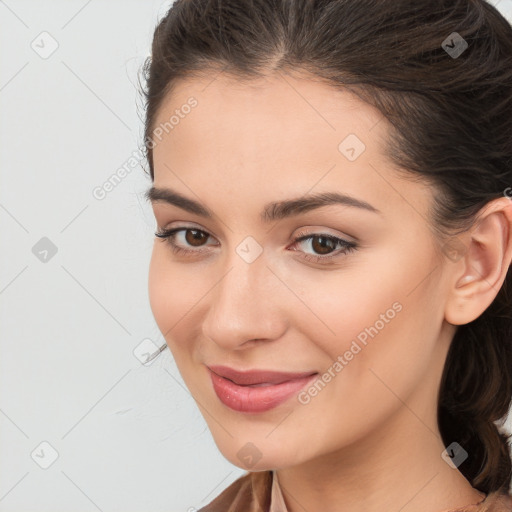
265	105
296	118
276	136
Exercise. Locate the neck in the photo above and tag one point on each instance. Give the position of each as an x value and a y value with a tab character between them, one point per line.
399	467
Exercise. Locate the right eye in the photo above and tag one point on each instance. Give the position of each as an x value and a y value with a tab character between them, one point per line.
191	236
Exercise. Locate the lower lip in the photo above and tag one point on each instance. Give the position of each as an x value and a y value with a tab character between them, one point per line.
256	398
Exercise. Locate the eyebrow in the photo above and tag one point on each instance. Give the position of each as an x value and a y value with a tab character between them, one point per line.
272	211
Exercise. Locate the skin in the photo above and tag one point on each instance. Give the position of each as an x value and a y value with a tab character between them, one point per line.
369	439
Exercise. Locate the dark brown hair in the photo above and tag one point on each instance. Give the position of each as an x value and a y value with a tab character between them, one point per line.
451	118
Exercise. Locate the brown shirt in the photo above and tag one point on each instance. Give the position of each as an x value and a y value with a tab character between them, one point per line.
260	492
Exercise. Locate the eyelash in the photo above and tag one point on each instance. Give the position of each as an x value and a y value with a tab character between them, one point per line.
169	235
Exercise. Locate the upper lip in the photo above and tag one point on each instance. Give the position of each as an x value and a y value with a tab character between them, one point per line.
249	377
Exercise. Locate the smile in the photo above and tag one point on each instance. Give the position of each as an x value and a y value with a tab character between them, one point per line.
256	390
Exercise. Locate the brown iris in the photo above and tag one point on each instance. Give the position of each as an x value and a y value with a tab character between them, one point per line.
324	246
197	236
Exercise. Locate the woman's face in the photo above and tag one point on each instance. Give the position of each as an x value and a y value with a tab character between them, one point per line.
366	321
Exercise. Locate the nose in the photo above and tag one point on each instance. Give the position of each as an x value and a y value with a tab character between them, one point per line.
245	306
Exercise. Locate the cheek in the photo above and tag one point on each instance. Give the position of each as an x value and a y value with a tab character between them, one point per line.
171	294
381	314
385	324
352	304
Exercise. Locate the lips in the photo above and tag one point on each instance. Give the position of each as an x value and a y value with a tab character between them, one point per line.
255	377
256	390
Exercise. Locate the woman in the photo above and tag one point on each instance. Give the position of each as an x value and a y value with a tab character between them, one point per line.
331	187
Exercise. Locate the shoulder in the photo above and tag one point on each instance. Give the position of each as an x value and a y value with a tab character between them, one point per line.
249	493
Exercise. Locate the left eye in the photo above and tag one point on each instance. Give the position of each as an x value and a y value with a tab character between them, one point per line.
319	242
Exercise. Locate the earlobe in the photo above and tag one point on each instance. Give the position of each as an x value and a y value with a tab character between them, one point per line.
481	270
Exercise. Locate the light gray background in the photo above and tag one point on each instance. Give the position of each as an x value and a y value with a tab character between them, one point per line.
128	436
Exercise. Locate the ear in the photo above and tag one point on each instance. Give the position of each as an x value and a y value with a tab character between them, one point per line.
482	258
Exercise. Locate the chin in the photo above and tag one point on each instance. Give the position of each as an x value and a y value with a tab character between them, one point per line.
263	464
259	454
